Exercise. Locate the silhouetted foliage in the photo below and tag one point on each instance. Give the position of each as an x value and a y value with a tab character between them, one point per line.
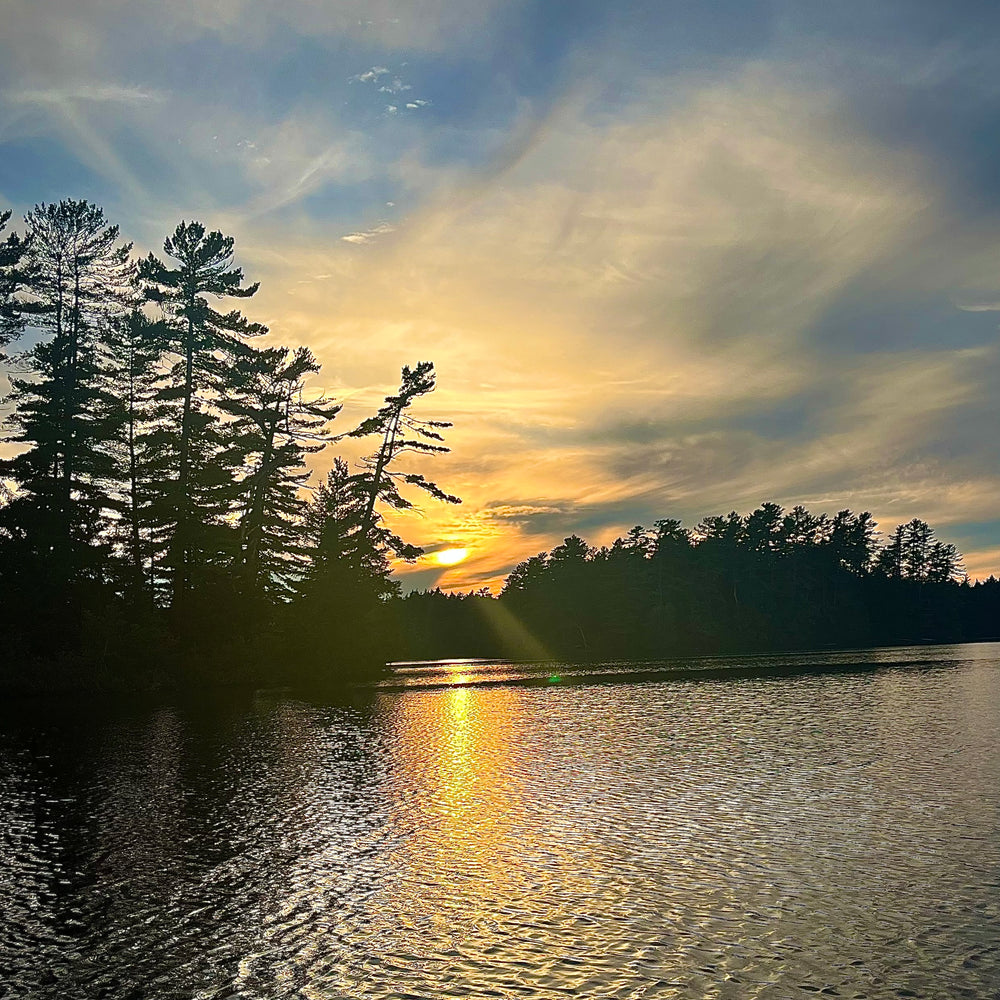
196	458
76	276
14	275
157	523
133	345
159	490
767	580
273	426
401	433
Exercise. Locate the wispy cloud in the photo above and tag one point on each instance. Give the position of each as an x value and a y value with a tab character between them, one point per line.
370	75
667	272
98	93
649	289
391	86
370	235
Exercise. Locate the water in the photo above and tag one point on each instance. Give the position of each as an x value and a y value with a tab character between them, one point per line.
822	834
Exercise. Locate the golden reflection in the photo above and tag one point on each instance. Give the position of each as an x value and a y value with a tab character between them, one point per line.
458	796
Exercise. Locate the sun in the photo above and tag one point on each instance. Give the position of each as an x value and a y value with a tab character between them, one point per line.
449	557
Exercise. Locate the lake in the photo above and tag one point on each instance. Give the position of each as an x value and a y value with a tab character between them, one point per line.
482	829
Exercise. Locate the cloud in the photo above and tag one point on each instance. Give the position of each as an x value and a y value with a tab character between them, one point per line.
370	75
369	235
662	292
632	320
387	83
56	40
395	86
98	93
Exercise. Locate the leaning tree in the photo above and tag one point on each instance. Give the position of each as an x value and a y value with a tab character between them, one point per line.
380	479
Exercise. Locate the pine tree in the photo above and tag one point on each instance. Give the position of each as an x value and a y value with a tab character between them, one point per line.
764	529
344	563
14	275
63	409
922	557
133	345
401	433
274	426
198	474
890	561
944	564
852	540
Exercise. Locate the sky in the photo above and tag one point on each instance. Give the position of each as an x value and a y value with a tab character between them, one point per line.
670	259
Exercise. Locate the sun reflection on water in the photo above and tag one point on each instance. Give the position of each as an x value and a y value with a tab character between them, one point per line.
453	773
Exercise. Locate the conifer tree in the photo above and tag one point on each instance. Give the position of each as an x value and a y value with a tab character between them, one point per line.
852	540
401	433
344	563
922	556
13	276
274	426
944	564
199	474
80	277
133	345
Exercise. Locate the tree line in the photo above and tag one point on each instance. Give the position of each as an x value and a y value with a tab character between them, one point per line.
154	503
158	524
768	580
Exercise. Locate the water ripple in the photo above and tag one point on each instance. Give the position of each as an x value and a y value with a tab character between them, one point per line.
826	835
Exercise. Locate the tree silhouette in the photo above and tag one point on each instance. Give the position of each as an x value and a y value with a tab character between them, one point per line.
274	426
203	343
133	345
342	557
14	274
64	408
401	433
852	540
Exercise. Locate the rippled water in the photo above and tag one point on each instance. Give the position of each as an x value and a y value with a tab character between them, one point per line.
833	834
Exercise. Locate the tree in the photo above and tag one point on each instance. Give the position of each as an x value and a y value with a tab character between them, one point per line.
944	564
274	426
728	531
133	345
890	559
571	554
917	540
13	277
916	554
63	409
342	559
199	474
671	535
640	542
801	530
764	528
852	540
401	433
526	575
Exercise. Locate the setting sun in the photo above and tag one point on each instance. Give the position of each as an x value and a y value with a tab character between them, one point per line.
450	557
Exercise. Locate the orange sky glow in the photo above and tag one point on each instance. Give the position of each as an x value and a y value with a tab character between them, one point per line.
668	260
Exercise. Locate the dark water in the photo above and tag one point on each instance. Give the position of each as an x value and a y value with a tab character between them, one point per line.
824	834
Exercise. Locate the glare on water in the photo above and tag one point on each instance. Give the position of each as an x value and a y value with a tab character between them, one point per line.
756	837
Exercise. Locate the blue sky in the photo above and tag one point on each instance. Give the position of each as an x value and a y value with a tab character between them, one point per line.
669	258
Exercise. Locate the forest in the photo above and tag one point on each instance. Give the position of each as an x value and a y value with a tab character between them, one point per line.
156	523
159	527
768	580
